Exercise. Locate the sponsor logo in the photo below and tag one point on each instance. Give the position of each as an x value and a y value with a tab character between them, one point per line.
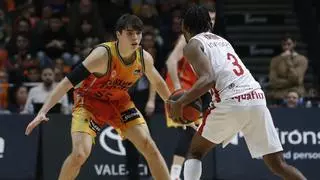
113	73
129	115
137	72
109	136
293	137
118	169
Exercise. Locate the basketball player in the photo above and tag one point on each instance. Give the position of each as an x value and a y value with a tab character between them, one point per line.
181	76
101	82
240	103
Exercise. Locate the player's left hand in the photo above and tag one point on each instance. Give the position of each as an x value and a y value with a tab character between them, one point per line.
175	110
150	107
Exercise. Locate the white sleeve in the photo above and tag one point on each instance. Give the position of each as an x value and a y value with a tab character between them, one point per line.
28	107
65	105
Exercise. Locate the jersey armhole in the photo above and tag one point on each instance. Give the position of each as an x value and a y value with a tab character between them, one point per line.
142	60
109	56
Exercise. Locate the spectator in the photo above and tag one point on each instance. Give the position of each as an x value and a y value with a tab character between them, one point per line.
33	74
21	60
87	36
56	42
58	74
4	86
18	99
38	94
43	24
287	70
292	100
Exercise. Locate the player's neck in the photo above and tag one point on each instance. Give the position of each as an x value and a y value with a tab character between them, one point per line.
125	52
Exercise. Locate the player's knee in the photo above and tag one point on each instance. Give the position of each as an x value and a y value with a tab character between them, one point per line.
79	157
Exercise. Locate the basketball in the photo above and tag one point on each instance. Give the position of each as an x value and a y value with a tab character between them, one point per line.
191	112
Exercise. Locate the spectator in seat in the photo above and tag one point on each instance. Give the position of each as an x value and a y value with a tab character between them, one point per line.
4	87
18	99
293	100
33	74
287	70
38	94
56	42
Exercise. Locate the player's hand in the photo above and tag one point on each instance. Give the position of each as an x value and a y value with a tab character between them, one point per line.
150	107
35	122
175	110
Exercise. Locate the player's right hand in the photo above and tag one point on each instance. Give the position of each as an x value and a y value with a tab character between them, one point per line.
35	122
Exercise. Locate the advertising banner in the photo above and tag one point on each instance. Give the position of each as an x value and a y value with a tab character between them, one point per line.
18	153
108	157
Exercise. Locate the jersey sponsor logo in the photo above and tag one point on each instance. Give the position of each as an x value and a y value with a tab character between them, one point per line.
113	74
93	126
137	72
116	84
129	115
250	96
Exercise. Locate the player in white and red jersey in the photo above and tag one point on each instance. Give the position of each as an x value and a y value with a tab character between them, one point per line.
240	103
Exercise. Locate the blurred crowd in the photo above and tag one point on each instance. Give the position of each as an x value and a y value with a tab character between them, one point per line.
42	40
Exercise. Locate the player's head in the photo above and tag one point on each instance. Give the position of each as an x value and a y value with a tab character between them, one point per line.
129	30
212	13
288	43
196	20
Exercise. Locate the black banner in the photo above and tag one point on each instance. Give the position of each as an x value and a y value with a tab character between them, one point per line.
107	159
18	153
298	130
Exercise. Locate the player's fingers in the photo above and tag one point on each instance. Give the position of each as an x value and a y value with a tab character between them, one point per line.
29	128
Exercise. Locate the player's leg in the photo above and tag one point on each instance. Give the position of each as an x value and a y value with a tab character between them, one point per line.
279	167
262	140
180	153
199	147
82	136
139	135
81	148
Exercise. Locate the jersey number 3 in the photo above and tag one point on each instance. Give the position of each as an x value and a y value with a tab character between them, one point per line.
238	69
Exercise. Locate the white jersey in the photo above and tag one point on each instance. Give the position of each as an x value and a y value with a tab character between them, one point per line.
232	78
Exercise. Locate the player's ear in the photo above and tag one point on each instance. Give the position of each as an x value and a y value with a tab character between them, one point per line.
118	34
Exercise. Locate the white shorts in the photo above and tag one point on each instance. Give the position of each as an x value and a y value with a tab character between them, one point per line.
251	117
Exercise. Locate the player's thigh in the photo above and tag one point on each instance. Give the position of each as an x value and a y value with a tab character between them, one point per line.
81	143
260	133
222	123
199	146
140	136
83	131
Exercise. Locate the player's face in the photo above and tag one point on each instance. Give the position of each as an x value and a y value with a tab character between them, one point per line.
212	18
130	38
185	32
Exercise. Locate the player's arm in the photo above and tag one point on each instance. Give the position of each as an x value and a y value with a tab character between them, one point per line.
96	62
151	103
202	66
172	62
155	78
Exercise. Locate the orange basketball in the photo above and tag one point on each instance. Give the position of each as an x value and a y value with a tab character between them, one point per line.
191	112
